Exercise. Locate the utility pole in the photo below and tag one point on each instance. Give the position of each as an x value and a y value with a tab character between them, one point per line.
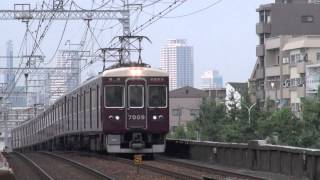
249	111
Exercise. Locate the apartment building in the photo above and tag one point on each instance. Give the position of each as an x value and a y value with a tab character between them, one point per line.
286	69
288	61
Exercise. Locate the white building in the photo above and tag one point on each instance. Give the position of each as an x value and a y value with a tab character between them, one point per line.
177	59
211	80
234	93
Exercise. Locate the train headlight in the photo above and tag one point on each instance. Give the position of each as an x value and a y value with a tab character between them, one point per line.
154	117
117	118
136	72
110	117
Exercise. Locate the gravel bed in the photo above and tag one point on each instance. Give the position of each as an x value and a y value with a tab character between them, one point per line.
59	169
22	170
182	170
115	169
190	170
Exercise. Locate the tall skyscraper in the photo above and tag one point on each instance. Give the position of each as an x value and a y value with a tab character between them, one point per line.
211	80
17	98
288	53
177	59
9	74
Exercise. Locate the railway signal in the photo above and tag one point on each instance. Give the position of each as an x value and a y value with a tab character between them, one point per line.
138	161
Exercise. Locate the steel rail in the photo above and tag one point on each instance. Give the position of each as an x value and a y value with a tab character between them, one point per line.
155	169
41	172
80	166
209	169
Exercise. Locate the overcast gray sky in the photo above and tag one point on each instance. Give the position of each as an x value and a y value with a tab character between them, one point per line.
223	36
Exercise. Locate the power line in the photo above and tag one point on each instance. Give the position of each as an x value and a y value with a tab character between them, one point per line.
158	16
197	11
61	38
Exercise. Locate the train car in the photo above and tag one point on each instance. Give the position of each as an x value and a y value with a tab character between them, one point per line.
122	110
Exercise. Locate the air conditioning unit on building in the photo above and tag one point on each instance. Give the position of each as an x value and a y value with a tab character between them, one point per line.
286	83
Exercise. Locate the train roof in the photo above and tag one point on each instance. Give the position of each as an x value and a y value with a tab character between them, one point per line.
134	71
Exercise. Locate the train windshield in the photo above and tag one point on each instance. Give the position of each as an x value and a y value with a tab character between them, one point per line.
157	96
136	96
114	96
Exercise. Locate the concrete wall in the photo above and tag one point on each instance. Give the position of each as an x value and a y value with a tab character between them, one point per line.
286	160
292	14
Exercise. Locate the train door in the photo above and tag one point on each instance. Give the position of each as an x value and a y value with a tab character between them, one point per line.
136	111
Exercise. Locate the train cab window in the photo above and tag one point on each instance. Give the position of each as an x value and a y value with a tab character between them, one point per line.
157	96
136	97
114	96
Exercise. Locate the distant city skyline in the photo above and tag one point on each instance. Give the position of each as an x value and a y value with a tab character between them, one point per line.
215	41
211	79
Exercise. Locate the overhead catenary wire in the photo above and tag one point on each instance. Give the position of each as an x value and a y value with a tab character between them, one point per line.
196	11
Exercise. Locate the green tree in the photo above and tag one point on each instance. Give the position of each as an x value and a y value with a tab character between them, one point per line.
210	120
179	133
310	136
284	124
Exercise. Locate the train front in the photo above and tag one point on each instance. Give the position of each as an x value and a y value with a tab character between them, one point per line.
136	109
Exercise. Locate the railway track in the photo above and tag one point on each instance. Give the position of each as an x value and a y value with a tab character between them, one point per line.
182	170
167	168
175	172
25	168
159	170
59	167
120	169
205	169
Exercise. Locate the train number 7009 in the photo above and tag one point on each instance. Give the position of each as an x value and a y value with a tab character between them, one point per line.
136	117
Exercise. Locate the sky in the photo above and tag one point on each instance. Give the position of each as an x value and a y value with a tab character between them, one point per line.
223	36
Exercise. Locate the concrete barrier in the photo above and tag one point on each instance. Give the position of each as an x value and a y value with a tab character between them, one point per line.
254	155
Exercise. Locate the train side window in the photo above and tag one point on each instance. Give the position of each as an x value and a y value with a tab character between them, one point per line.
136	96
98	105
114	96
78	110
94	107
74	111
69	113
157	96
90	107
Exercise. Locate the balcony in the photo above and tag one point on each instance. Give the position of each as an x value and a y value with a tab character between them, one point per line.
301	67
273	71
260	50
272	43
285	69
262	28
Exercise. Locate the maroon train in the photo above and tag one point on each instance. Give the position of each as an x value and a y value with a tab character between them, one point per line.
123	110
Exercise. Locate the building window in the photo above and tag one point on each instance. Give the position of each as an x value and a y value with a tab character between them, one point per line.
307	19
297	56
194	112
285	60
176	112
318	56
